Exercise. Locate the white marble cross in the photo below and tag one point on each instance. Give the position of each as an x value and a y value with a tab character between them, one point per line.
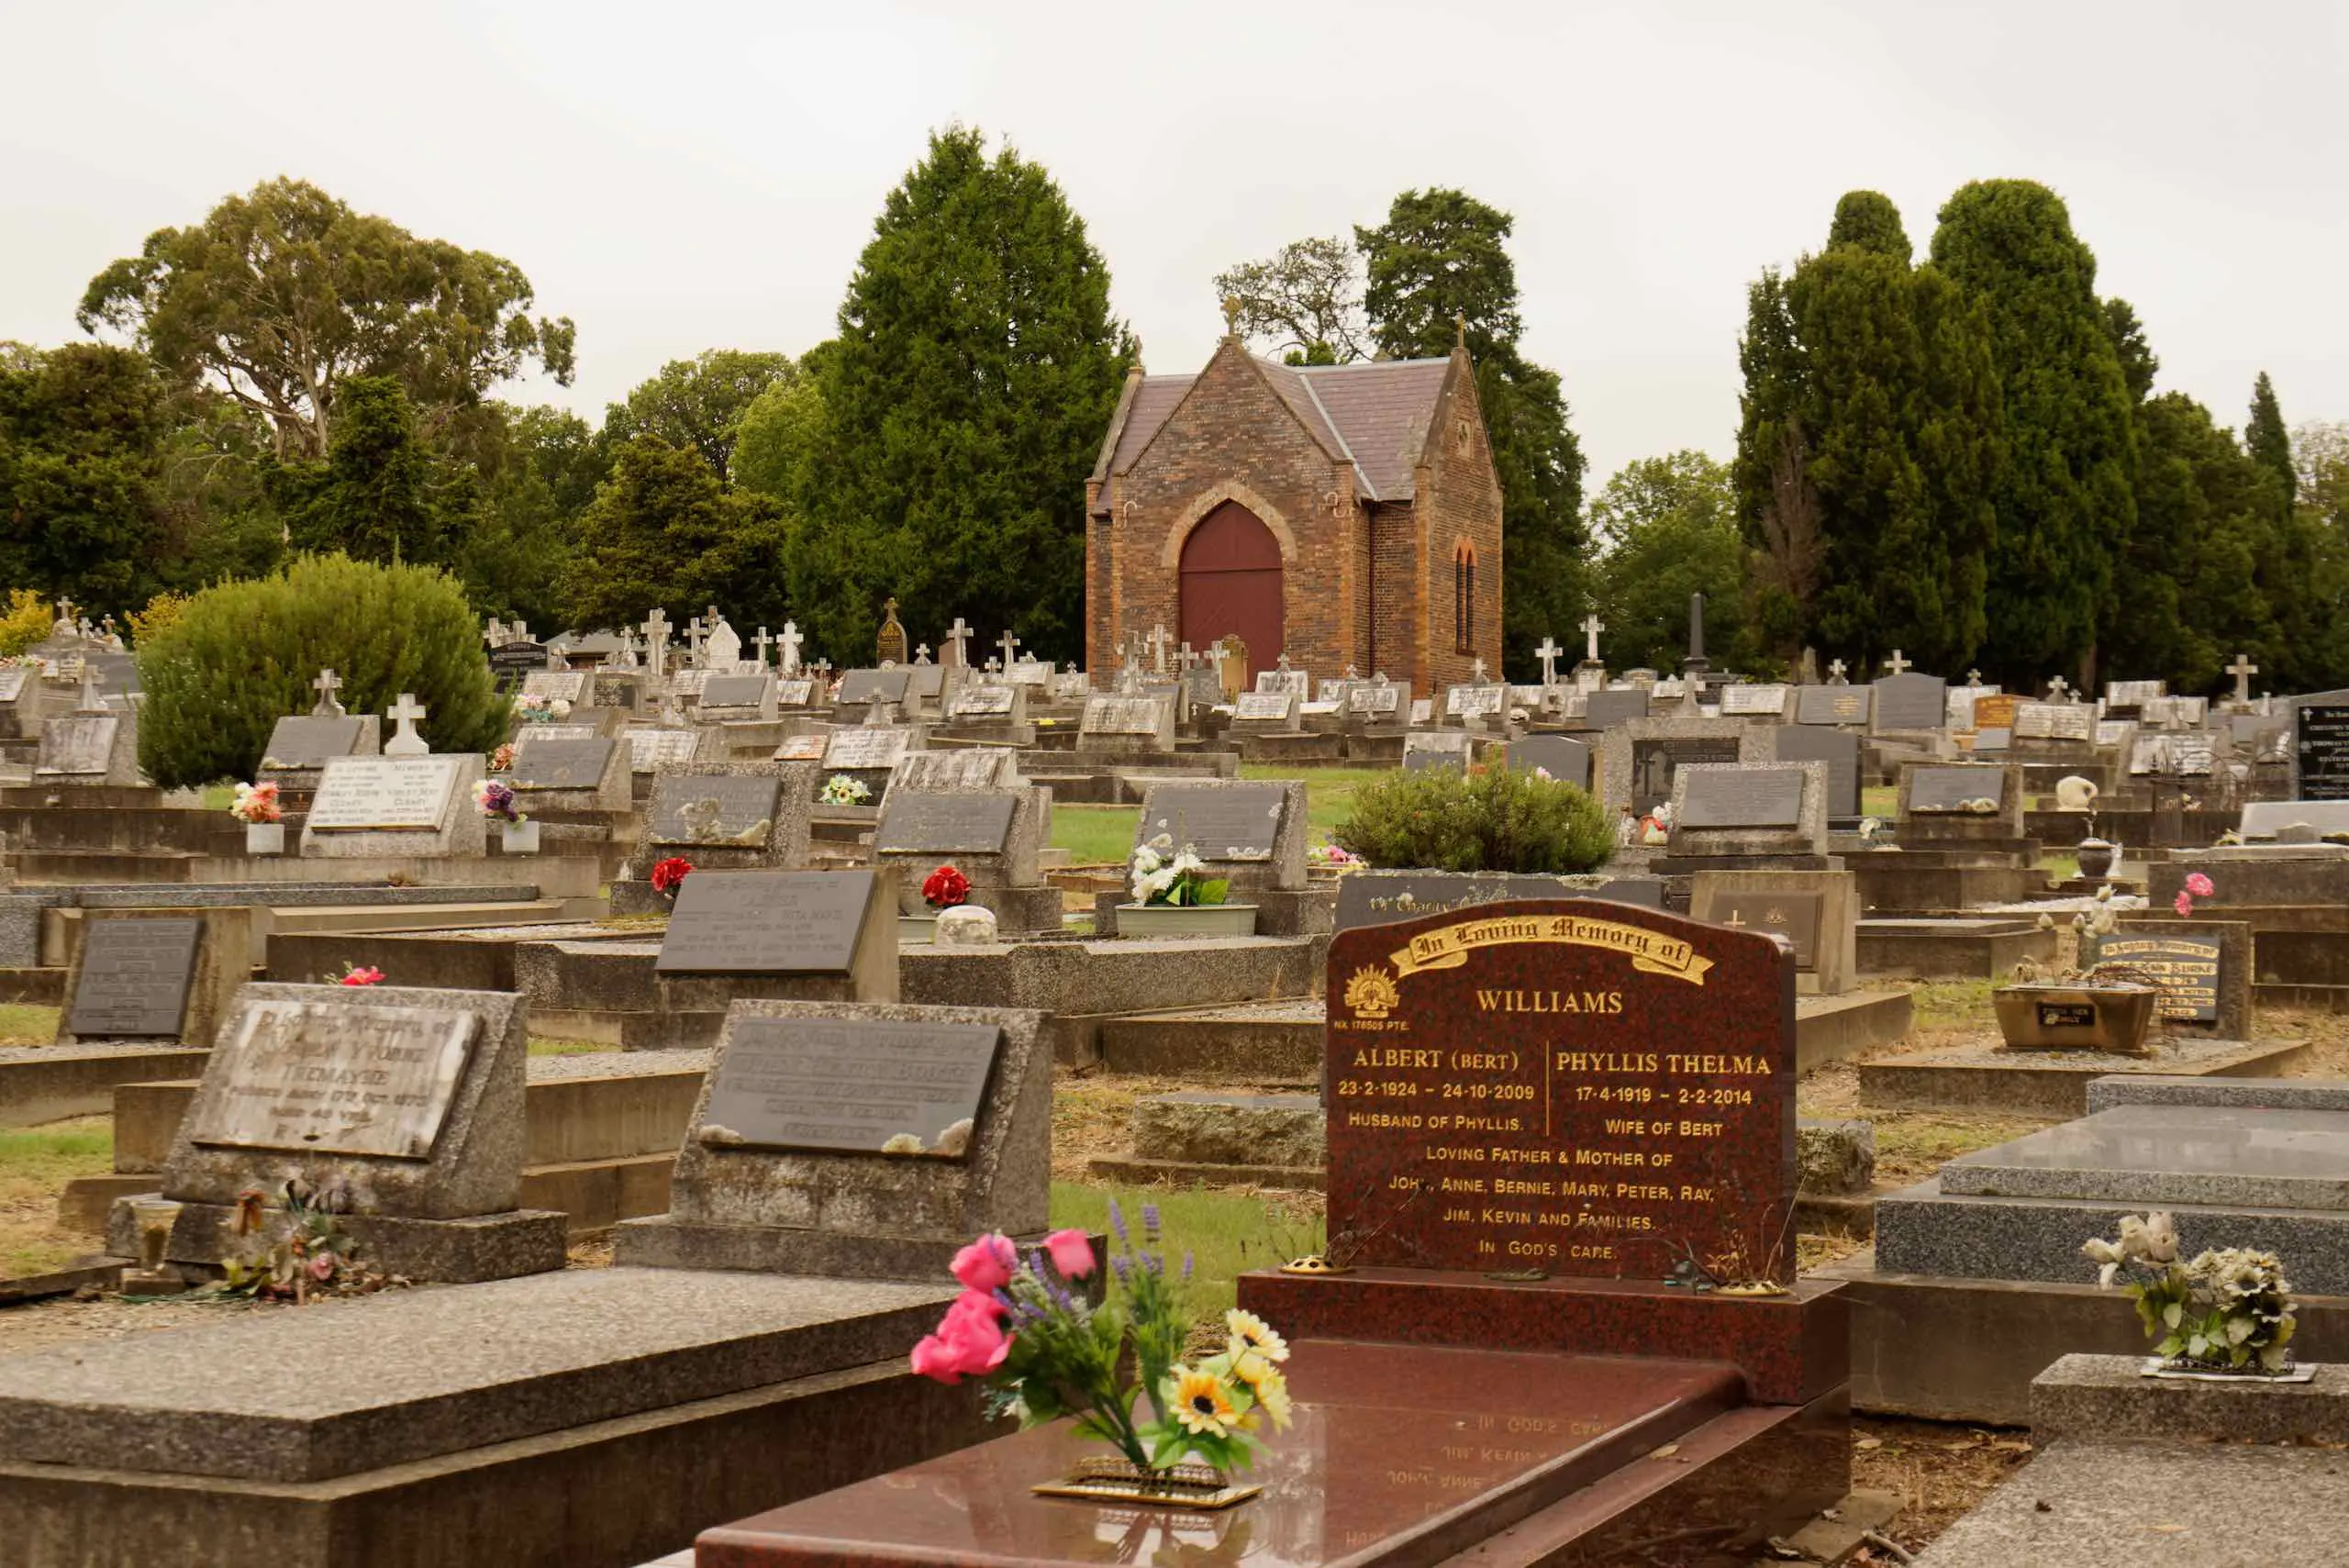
1974	678
325	685
493	631
65	612
790	640
1158	640
956	636
922	653
693	631
1010	646
656	641
1591	627
1476	670
2057	688
1896	664
1548	653
91	702
1836	667
994	665
761	642
2243	670
1283	662
407	742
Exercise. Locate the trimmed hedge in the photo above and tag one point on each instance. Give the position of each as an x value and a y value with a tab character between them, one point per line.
1442	818
239	657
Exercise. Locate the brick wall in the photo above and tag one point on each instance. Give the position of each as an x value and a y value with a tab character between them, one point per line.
1459	497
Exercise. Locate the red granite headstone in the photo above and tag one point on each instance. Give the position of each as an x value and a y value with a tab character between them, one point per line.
1564	1087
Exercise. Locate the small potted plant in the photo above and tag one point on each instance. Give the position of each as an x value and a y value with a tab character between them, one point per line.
1179	1425
945	888
1326	862
670	874
257	806
496	799
1174	897
2228	1313
502	759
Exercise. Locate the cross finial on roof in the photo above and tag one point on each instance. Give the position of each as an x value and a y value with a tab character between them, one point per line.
1459	331
1231	316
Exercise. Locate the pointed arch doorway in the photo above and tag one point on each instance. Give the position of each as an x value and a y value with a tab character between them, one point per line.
1231	584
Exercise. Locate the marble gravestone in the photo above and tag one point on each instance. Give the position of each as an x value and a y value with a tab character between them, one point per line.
1380	897
1753	700
862	689
818	934
589	774
1652	1119
151	974
1266	713
1438	748
733	696
719	816
1126	724
869	754
382	806
88	748
1840	749
650	750
1638	757
1476	706
557	685
1910	702
406	1101
987	703
868	1141
1832	705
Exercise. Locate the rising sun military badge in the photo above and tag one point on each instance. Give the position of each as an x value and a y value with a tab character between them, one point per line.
1371	993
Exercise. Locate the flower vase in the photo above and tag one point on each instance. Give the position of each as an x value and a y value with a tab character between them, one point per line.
1186	919
522	838
1115	1478
916	929
2095	857
264	838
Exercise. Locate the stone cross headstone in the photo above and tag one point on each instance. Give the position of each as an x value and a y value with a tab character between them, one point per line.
1896	663
2243	670
693	633
493	631
325	685
1010	646
1548	653
922	654
761	642
2057	689
1835	668
954	653
1591	627
656	642
789	642
407	742
1158	640
91	701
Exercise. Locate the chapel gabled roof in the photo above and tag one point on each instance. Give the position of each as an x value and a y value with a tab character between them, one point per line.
1373	415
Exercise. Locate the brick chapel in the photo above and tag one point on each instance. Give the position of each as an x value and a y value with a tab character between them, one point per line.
1343	514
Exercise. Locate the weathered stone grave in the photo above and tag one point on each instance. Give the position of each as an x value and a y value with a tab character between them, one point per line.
719	816
374	808
791	935
860	1141
566	774
154	975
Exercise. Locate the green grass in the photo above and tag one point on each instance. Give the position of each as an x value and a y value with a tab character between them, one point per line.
1095	834
1910	1146
217	797
2059	868
569	1047
1329	792
24	1023
1953	1004
35	1164
1881	802
1227	1234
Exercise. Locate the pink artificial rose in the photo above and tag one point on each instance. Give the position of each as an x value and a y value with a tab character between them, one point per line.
986	1264
322	1267
974	1334
932	1360
1072	1252
2199	885
2184	903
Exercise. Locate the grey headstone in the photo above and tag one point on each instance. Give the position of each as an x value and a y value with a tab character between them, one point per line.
958	823
850	1085
135	976
766	922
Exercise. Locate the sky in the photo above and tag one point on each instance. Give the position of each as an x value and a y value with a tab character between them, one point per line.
683	176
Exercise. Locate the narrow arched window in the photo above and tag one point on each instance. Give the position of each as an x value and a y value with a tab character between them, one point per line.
1463	598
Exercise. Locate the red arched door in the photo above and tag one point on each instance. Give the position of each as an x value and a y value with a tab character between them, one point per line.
1231	584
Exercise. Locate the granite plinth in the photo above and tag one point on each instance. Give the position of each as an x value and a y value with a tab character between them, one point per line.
1791	1348
2094	1505
2053	1082
2216	1156
464	1250
1386	1466
1925	1230
419	1373
2279	1093
2108	1397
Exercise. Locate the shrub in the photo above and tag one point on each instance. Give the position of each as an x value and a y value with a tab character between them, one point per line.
26	621
239	657
1441	818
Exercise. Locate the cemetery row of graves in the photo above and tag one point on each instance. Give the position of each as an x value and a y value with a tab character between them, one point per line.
585	1151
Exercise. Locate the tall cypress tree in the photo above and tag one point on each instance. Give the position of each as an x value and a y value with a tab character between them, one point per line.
1440	260
2269	444
2064	500
1869	425
962	404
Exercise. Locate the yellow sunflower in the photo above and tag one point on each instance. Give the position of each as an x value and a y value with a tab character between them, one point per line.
1202	1404
1271	1390
1250	1333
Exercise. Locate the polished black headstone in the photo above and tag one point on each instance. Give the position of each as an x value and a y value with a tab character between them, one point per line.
734	691
540	763
512	660
134	978
1831	705
1948	789
1606	709
1656	759
1793	915
870	685
1911	701
312	743
1839	751
2321	750
1562	757
766	922
1742	797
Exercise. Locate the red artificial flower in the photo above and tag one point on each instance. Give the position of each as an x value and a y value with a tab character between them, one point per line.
670	873
945	888
359	974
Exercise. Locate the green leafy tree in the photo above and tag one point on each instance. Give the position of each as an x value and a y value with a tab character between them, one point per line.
778	450
1480	819
1438	270
239	656
82	500
280	295
2269	444
699	404
1303	303
976	365
1869	434
1666	527
2063	497
665	532
374	497
516	558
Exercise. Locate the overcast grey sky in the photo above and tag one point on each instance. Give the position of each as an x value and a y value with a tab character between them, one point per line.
679	176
